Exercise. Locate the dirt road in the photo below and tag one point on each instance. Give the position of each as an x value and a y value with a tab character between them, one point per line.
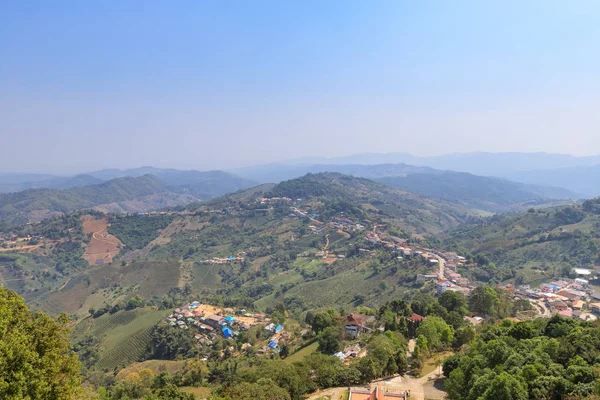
333	394
427	387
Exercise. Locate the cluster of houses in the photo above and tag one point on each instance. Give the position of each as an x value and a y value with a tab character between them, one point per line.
345	224
222	260
568	298
268	200
277	337
210	326
153	213
454	281
11	240
379	239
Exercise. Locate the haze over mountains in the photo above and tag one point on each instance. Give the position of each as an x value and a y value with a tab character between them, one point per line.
514	181
479	163
206	184
576	174
124	191
584	180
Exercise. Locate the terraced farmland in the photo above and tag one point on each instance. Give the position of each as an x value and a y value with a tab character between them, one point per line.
126	352
124	335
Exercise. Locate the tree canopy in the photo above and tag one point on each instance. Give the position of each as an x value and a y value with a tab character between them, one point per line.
36	361
540	359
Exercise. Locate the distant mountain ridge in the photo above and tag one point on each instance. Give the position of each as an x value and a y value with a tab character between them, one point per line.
280	172
21	206
123	193
205	184
478	163
484	193
585	179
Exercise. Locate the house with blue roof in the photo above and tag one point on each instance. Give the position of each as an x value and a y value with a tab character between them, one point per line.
228	333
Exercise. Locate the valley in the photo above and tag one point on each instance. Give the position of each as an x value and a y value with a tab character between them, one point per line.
243	277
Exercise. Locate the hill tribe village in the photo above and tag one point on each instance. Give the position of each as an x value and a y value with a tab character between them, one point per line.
570	298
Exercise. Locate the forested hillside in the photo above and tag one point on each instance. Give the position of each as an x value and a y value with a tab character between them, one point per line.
531	246
543	359
18	206
484	193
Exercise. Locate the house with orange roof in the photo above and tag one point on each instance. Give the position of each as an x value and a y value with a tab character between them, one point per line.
578	305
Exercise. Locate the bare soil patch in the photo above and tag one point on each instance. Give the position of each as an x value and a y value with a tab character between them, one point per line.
103	246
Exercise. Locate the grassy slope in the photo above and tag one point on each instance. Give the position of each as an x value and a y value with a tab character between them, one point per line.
299	355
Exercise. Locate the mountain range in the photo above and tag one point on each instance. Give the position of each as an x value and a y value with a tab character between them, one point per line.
576	174
584	180
484	193
205	184
148	188
490	194
120	194
478	163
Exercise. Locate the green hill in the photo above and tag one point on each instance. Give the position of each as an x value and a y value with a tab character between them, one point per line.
414	212
22	206
485	193
531	246
71	199
280	246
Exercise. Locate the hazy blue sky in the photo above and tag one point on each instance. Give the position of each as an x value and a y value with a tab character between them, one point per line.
214	84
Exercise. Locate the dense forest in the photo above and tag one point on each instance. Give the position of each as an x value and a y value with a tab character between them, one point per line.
552	358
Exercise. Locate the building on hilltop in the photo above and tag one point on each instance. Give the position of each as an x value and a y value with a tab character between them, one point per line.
583	272
356	324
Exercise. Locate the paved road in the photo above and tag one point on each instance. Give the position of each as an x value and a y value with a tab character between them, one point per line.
442	263
544	311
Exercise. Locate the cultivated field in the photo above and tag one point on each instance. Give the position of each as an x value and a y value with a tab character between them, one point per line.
124	335
103	245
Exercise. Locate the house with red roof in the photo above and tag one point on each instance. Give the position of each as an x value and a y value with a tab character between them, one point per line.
357	324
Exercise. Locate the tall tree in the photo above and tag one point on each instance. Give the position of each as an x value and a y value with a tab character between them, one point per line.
36	360
484	300
330	340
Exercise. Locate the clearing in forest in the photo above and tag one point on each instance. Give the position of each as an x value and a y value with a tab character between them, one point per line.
103	246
